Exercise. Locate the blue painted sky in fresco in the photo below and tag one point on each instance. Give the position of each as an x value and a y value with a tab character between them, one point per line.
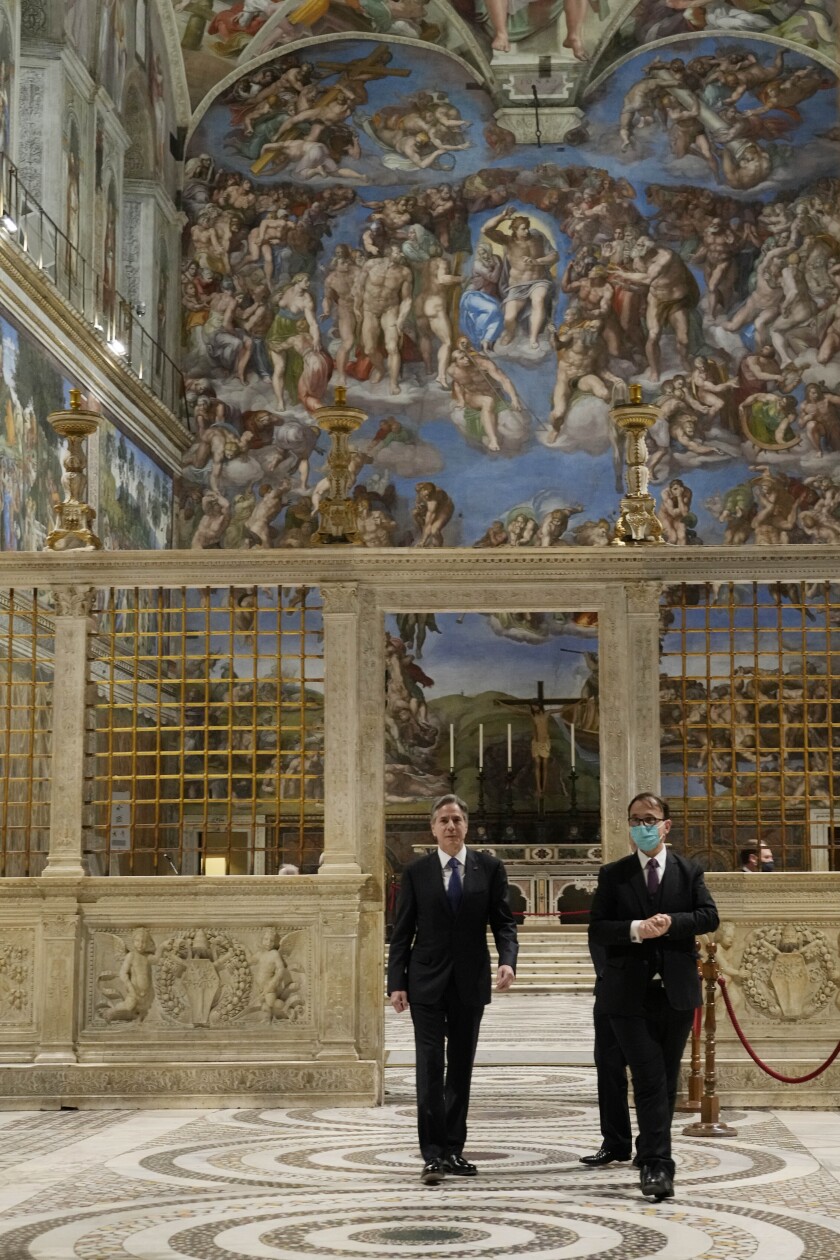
469	657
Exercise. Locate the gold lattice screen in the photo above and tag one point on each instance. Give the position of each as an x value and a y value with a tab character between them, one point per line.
750	718
206	731
26	676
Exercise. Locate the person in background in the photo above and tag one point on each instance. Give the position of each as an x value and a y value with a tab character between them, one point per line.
765	856
749	860
758	857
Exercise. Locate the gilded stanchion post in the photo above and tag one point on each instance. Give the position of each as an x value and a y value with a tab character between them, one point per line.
710	1124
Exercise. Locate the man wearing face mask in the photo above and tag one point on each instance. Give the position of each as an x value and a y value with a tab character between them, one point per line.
766	862
647	911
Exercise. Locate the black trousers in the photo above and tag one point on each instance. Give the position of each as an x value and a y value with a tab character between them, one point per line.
445	1038
611	1069
652	1042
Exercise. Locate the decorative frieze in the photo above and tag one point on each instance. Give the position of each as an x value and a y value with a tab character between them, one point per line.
179	1085
200	978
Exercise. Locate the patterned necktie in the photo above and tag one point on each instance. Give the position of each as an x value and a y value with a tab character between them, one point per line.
652	877
455	889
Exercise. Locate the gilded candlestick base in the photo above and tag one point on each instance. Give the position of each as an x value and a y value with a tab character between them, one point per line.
337	510
73	530
637	521
338	523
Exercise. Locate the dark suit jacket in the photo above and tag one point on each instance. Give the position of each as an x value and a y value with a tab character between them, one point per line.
431	946
620	898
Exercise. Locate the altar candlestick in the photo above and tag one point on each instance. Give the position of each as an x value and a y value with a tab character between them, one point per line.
451	746
572	742
480	746
510	750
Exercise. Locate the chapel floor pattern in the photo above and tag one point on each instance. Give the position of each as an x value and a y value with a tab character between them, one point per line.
343	1184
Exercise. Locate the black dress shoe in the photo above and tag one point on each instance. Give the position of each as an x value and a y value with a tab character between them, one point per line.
603	1157
434	1171
656	1184
459	1167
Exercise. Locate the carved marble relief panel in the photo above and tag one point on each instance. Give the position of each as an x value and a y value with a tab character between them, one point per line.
199	978
17	966
31	115
781	972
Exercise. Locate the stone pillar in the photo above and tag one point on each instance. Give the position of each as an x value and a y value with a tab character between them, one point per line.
370	1028
73	609
149	271
643	655
342	651
616	691
57	981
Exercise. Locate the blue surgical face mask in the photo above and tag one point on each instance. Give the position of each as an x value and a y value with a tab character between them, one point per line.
646	838
768	866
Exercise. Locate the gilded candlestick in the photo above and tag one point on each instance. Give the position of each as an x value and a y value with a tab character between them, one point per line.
637	522
337	509
74	517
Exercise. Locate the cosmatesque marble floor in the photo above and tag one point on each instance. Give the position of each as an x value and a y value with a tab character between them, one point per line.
343	1184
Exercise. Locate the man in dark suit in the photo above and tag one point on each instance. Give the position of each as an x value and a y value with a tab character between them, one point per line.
647	911
611	1072
439	962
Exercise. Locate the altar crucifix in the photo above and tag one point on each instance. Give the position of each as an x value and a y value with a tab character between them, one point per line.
539	712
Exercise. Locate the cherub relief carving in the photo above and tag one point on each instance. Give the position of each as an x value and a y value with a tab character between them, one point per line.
276	991
129	991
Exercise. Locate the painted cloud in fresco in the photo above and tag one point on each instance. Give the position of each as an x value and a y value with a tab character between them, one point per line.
353	220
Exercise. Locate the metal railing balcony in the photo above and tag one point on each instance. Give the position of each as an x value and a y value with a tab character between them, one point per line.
92	293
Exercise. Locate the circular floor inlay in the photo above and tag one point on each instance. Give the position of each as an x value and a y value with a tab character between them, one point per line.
403	1235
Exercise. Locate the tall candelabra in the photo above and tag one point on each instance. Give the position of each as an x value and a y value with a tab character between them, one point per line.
337	510
573	775
74	517
637	522
509	801
481	812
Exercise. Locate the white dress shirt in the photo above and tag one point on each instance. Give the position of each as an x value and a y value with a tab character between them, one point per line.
445	858
644	858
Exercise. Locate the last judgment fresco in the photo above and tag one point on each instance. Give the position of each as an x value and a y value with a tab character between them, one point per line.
360	213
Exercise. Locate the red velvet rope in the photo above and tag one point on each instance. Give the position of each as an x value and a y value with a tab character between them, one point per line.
697	1026
777	1076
